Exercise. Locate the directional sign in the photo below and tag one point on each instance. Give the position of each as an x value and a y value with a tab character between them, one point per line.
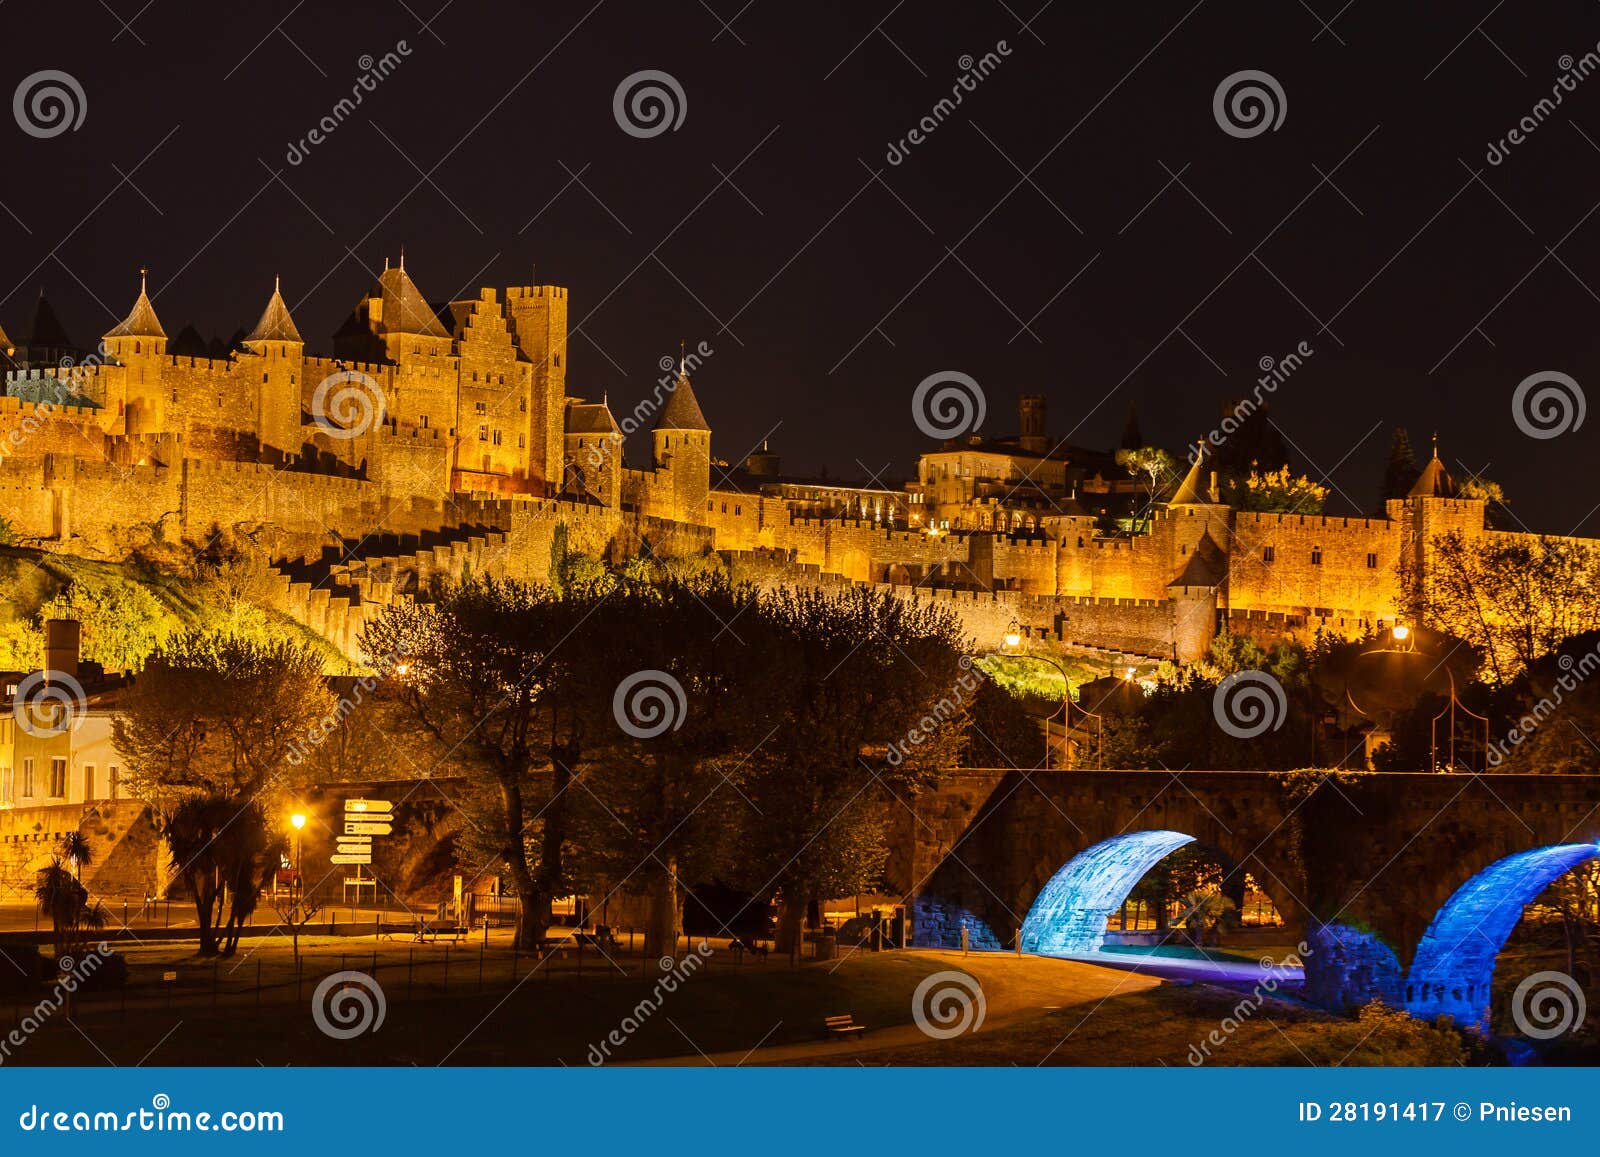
367	829
350	859
354	849
354	839
368	805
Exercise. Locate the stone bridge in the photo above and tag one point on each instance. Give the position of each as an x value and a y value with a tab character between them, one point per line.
1402	886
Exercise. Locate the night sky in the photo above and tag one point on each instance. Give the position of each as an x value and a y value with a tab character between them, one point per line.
829	282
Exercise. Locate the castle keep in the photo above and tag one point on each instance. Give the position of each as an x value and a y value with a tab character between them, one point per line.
442	438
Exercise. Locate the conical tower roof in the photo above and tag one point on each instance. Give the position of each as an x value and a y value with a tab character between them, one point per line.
405	310
682	411
6	344
142	321
1434	481
275	323
1192	491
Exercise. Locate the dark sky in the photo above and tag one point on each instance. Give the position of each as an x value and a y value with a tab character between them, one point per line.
829	282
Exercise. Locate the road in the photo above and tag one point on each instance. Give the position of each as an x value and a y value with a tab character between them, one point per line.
1185	968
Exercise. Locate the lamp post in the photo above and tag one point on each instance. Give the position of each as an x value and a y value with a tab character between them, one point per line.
296	853
1012	640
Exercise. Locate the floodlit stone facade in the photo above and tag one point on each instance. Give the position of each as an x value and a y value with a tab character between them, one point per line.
442	438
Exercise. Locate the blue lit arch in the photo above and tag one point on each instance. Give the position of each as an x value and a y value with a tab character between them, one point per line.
1069	915
1454	964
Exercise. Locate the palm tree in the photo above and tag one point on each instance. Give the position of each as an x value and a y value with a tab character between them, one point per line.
61	895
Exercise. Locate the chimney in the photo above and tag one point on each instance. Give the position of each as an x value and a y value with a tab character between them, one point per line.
61	648
1030	416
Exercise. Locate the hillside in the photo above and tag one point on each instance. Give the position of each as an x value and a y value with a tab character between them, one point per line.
127	609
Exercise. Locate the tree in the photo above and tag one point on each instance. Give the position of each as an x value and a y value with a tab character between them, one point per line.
676	683
1513	597
223	850
872	695
1158	467
61	896
1401	472
219	715
1274	492
1497	507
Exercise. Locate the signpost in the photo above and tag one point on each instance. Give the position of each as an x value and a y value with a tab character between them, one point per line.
363	819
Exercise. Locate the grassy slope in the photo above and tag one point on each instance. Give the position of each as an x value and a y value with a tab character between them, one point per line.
30	579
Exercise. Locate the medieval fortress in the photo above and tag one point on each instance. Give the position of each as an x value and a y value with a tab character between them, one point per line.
444	439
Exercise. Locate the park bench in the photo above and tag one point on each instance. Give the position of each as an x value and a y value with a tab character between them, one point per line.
753	947
427	932
842	1025
600	939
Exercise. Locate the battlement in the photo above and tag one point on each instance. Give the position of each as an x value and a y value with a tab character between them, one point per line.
554	292
336	365
207	365
1256	518
10	405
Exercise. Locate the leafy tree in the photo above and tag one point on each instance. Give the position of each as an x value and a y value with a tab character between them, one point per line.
217	715
493	670
675	717
872	695
1275	491
1497	507
1514	598
1158	467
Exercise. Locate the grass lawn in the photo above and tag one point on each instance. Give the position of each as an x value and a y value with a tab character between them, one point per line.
1172	1025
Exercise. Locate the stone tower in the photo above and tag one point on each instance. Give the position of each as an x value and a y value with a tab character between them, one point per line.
276	341
1031	416
1433	507
139	347
682	443
538	316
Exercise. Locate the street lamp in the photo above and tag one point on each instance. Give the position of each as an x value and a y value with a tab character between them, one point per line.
1013	640
298	822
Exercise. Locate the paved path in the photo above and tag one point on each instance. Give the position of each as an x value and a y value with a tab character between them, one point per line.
1015	988
1188	968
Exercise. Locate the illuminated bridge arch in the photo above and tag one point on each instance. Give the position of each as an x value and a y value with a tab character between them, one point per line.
1453	967
1070	913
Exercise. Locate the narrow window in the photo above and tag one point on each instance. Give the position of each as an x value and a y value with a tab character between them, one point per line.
1316	556
1267	554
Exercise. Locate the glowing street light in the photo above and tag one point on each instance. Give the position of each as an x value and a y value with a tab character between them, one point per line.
298	821
1401	632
